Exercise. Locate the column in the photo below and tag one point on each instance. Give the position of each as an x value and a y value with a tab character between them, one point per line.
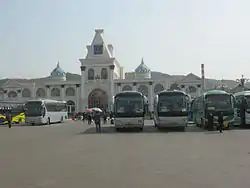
48	91
63	92
134	86
119	87
78	104
5	95
19	94
199	89
83	100
33	90
151	96
111	83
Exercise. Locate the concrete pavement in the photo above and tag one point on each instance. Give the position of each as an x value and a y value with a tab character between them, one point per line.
73	155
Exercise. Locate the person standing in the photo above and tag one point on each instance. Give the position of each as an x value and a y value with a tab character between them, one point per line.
220	121
97	119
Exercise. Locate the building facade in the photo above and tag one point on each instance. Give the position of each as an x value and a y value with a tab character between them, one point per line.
101	78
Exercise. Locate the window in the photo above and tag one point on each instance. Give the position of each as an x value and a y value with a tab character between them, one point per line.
91	74
104	74
40	92
70	92
158	88
56	107
55	92
98	49
26	93
12	94
127	88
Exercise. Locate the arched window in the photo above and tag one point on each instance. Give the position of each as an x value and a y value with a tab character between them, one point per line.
40	92
127	88
158	88
143	89
174	86
91	74
70	92
104	73
12	94
26	93
55	92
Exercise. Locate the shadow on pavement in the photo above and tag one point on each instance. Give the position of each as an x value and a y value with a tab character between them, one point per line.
213	132
146	129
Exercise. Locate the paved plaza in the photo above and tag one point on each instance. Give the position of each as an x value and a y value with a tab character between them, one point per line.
73	155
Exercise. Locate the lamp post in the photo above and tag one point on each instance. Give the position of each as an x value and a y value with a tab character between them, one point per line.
242	81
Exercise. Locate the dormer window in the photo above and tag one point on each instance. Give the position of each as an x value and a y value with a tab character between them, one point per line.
98	49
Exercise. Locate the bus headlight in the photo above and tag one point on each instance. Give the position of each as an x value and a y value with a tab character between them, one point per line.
183	109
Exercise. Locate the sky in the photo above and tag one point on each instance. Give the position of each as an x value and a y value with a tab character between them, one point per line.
173	36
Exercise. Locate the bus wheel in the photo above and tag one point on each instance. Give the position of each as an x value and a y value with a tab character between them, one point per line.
48	121
141	129
117	129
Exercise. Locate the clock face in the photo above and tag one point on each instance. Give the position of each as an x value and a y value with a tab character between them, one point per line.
98	49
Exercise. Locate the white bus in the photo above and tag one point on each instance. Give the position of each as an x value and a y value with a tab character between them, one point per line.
242	100
171	109
129	110
45	111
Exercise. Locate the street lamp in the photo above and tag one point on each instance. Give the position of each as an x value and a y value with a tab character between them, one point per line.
242	81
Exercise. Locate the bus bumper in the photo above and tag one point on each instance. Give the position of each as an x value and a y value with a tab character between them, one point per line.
129	122
34	121
172	122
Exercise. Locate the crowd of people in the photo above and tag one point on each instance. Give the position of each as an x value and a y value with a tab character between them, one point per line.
95	117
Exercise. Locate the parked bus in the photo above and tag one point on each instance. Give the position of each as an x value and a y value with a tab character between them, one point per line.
129	110
171	109
45	111
243	101
214	102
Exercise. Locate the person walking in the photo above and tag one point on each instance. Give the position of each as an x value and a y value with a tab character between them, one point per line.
220	121
210	122
97	119
89	118
9	118
104	118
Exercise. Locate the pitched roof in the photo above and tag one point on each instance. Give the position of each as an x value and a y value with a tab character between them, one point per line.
191	76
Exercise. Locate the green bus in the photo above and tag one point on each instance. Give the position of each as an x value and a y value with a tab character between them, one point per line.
214	102
243	101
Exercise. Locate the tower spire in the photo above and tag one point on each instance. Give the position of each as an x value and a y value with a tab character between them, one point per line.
142	60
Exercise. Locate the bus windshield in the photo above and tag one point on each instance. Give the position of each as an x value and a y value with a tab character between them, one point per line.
129	106
172	102
34	108
247	101
218	101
